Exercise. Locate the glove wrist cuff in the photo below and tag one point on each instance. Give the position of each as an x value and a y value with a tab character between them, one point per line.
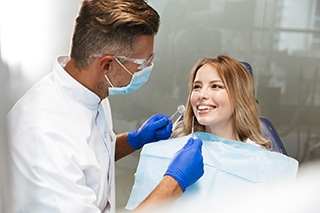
132	140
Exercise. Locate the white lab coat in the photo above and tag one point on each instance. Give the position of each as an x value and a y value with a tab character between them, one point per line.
62	148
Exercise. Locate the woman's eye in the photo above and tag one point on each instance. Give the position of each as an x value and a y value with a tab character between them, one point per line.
217	86
196	86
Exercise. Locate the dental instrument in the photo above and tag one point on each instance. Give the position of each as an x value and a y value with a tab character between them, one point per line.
180	109
192	127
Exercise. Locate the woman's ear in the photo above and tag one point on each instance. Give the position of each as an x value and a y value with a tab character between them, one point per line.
105	64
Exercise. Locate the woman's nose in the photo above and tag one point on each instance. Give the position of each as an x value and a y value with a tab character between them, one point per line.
203	94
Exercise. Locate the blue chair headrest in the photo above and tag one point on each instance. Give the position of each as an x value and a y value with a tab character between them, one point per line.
247	66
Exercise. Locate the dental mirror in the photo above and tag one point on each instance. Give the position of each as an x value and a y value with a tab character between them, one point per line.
180	109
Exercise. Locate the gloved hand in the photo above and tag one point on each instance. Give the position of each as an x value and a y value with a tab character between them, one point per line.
156	128
187	165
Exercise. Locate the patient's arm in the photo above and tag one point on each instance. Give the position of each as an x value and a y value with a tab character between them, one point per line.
167	191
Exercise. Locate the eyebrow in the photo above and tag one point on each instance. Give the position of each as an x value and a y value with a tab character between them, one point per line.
214	81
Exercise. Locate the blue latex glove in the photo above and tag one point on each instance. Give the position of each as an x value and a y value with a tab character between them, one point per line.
187	165
156	128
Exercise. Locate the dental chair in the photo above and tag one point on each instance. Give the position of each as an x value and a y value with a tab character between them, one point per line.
267	128
268	131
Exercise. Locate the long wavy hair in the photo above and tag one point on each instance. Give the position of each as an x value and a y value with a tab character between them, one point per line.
240	88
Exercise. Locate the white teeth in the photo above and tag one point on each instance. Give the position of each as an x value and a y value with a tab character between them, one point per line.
204	107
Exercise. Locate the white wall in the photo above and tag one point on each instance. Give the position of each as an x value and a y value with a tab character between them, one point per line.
5	196
32	33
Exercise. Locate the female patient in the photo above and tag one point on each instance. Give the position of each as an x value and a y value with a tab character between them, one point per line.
223	110
221	101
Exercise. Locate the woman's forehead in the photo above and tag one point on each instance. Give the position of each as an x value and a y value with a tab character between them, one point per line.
207	72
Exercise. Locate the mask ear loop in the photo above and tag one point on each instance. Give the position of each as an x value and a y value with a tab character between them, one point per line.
108	80
117	60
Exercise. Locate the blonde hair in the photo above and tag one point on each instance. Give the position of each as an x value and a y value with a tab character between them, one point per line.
240	88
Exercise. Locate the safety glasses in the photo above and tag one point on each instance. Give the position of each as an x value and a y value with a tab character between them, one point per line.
141	62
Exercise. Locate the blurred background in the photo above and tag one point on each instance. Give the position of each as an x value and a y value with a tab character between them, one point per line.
279	38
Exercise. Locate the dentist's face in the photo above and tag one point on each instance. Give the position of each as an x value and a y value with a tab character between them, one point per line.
210	101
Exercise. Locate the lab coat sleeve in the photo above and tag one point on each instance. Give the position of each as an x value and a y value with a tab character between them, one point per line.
50	174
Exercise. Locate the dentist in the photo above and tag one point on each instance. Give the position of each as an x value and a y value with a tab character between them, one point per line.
63	147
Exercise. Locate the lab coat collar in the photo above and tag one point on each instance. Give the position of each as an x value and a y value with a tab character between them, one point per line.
72	87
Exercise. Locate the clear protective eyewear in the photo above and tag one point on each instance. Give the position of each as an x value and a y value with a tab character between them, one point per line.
141	62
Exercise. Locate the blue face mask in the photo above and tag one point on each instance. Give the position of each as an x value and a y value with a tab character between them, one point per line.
138	80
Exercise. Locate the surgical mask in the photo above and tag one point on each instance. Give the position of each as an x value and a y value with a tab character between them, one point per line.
138	80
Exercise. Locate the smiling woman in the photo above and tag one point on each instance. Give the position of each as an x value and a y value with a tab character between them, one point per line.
223	110
221	98
210	102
